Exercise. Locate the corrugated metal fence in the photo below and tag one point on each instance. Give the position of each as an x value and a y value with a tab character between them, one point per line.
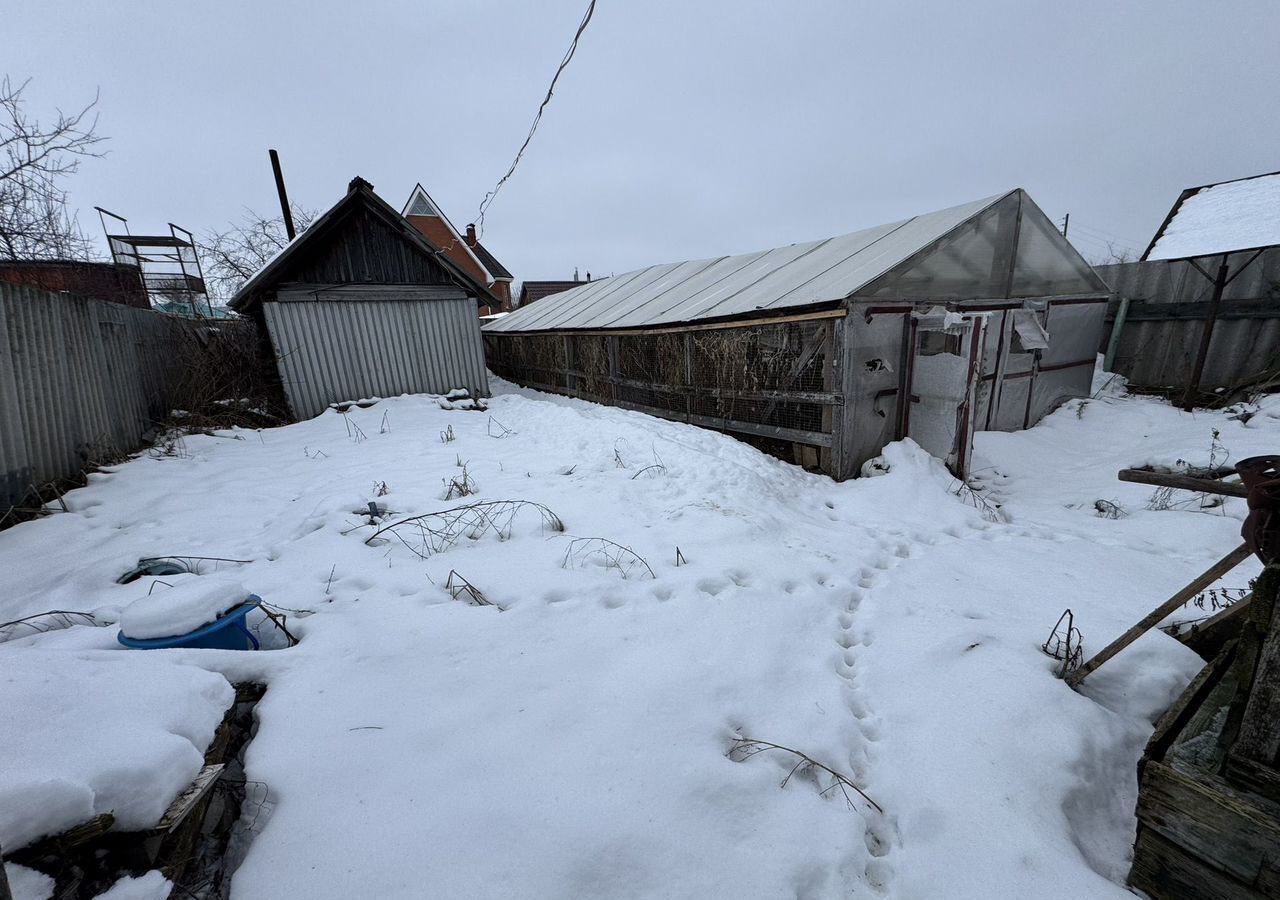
81	380
379	341
1167	305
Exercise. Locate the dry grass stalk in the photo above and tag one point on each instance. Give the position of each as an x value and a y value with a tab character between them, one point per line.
743	748
461	589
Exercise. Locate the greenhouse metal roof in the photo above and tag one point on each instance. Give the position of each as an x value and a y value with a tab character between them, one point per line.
815	273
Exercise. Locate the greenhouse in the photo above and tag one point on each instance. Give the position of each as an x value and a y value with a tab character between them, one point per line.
976	317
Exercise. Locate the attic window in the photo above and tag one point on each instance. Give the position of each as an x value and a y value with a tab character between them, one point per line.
420	207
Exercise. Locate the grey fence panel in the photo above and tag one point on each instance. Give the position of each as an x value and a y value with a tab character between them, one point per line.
1167	306
344	349
80	381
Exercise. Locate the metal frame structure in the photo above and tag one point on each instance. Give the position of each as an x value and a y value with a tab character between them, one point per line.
169	266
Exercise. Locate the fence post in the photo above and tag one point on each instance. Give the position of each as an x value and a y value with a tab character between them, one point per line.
1206	336
1122	313
570	364
688	376
613	368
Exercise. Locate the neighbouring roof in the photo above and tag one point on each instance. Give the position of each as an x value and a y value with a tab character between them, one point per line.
496	269
425	215
359	193
1001	246
531	291
1219	218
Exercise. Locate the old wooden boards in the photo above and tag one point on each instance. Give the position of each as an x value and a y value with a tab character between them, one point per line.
1209	784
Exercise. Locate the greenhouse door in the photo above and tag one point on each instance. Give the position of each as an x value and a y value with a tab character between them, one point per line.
946	360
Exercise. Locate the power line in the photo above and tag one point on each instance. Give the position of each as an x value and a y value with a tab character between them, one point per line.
1102	232
1099	241
489	197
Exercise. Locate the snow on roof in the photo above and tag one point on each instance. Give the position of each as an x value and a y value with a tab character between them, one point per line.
1218	218
797	275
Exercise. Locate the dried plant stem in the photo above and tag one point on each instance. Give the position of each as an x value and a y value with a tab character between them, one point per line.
744	748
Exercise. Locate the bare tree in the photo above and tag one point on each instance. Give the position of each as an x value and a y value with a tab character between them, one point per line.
35	159
1116	253
229	257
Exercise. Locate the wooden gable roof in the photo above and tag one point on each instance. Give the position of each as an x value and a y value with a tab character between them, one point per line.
360	240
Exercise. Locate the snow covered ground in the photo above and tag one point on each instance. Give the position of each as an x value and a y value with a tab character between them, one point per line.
574	738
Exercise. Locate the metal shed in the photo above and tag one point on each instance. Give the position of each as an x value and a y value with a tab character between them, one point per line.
980	316
361	305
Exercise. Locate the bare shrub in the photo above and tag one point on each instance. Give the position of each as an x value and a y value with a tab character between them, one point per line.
460	485
53	620
973	498
1110	509
602	552
1066	644
432	533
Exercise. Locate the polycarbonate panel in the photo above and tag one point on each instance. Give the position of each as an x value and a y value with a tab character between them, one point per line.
1046	264
973	261
1075	332
798	275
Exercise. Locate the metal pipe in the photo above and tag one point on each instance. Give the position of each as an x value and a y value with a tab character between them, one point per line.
284	196
1122	313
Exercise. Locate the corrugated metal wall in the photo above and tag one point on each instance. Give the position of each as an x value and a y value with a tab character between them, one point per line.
1167	305
80	381
374	345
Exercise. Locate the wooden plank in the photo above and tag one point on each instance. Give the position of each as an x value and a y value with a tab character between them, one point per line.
1164	871
1253	640
186	801
1223	827
1268	883
795	435
1185	482
1254	778
1170	725
1153	618
1207	638
1259	735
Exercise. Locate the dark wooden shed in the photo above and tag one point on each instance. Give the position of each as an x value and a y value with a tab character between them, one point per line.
360	305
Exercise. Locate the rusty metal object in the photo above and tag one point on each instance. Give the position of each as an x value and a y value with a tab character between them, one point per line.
1261	529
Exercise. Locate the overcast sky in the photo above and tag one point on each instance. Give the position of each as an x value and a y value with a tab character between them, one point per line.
680	130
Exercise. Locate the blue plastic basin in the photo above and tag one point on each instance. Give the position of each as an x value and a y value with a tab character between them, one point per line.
227	632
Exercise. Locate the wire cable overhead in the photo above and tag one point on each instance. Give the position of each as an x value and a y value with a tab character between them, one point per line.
573	47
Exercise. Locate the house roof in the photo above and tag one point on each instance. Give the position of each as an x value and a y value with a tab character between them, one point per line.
531	291
1218	218
800	275
426	216
359	193
495	268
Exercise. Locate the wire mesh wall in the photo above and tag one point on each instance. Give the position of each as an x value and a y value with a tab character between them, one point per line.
774	382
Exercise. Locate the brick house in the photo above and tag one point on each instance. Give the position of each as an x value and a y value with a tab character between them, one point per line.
466	252
101	280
